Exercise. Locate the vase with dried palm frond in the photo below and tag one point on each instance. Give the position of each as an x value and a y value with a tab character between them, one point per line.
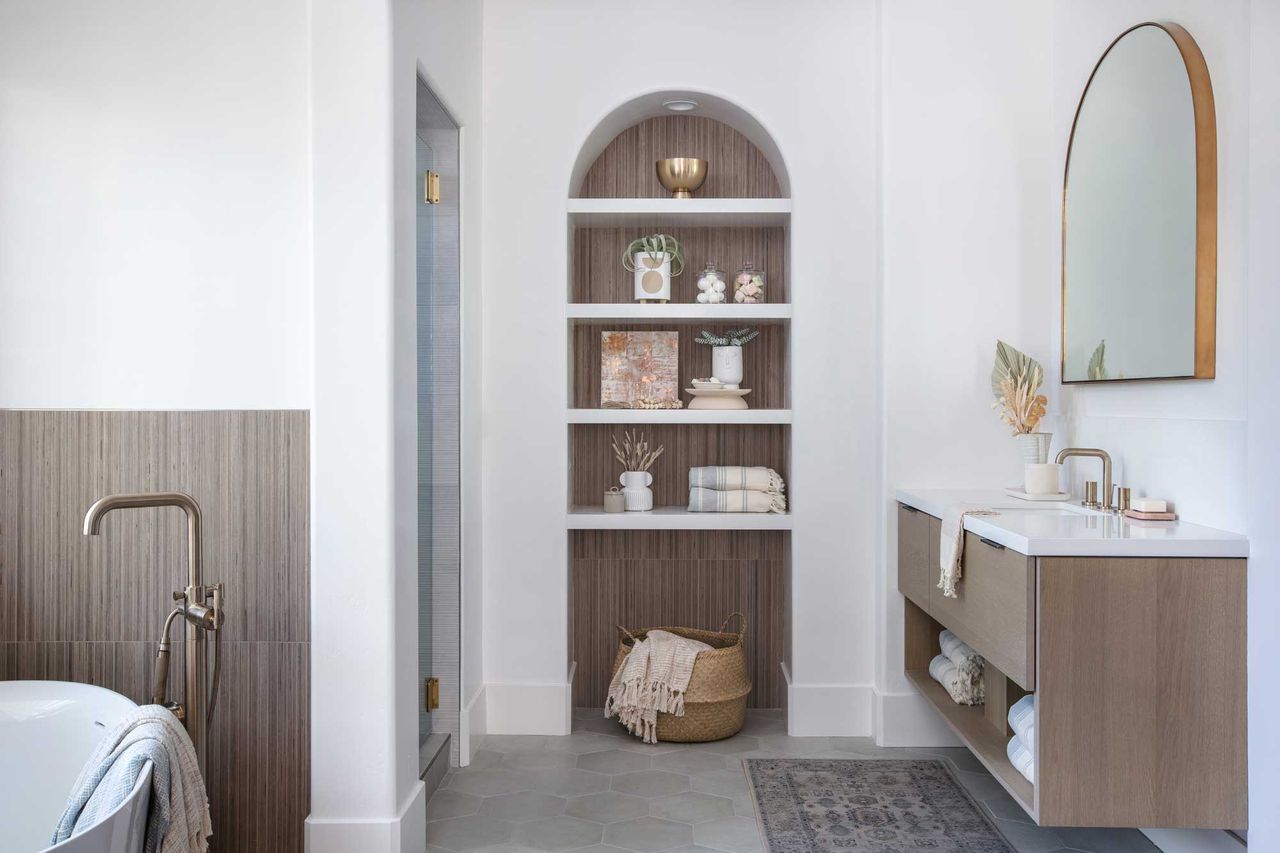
1015	381
636	457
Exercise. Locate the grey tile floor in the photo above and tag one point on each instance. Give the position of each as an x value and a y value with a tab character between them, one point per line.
599	789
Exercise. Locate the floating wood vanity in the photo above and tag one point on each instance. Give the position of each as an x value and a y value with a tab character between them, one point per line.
1132	637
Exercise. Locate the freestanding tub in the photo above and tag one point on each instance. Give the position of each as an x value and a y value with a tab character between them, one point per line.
48	729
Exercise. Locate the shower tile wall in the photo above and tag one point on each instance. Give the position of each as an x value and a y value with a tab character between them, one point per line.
89	609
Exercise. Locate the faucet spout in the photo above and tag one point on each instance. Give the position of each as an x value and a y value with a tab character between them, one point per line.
1067	452
102	506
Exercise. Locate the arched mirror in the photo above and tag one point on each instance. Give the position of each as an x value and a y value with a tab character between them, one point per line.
1140	206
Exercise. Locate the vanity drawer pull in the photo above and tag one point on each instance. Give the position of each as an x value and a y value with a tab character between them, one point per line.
909	508
995	545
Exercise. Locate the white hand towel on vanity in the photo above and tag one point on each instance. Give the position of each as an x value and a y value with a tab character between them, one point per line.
951	550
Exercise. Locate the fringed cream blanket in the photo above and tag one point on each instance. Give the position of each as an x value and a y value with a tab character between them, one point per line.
652	680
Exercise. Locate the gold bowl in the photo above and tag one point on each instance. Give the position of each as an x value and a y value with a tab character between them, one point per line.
682	175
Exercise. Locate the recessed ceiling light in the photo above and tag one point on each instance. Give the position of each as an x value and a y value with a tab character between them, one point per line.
680	105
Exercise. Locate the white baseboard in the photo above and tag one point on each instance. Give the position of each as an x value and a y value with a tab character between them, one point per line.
404	833
907	719
528	709
827	710
472	725
1194	841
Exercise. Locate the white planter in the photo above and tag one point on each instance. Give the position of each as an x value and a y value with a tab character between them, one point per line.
1034	447
652	276
726	365
636	494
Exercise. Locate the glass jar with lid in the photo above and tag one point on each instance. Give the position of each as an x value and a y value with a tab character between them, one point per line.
712	285
748	285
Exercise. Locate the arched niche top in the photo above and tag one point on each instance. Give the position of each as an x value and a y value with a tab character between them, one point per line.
716	127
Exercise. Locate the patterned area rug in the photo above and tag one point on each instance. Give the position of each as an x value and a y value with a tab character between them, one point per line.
870	805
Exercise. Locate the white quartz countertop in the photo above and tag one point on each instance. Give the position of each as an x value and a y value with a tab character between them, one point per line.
1062	529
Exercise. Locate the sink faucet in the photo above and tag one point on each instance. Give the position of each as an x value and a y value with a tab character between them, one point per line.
197	708
1068	452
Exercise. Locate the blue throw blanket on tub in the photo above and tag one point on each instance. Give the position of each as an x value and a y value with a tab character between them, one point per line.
178	820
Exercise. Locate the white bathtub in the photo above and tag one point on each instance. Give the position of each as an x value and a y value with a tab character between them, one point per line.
48	729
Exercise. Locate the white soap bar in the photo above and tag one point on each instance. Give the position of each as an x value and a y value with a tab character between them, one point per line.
1148	505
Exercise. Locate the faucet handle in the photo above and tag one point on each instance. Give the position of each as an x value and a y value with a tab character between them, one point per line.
1091	494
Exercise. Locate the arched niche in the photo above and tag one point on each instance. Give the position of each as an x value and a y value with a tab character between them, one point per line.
616	160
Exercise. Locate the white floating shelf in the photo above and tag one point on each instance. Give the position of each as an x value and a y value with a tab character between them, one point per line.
695	212
683	312
674	518
679	416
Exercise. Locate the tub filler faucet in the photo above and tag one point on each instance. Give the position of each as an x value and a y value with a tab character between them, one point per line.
201	608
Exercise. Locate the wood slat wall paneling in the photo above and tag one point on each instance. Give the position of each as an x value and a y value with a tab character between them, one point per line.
89	609
598	274
645	579
594	468
625	169
764	361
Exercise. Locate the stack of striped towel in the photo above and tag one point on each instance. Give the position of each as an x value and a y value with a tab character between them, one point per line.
735	488
1022	746
959	670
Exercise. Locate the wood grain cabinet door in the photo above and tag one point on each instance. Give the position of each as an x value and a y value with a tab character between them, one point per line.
994	607
913	555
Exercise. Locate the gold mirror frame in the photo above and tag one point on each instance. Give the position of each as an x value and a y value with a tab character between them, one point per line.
1206	205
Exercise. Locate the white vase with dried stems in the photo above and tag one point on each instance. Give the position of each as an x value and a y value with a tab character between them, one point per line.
1015	381
636	458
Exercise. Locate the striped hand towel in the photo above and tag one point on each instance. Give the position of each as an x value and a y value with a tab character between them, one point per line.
726	478
738	500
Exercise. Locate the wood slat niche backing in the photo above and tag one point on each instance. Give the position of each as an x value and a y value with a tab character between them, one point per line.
598	274
764	361
625	169
683	578
687	445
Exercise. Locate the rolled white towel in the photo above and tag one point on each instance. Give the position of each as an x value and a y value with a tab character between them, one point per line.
961	654
1022	719
1022	758
962	691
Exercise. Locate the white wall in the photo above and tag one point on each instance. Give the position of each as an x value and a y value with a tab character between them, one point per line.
968	221
154	205
1263	300
552	71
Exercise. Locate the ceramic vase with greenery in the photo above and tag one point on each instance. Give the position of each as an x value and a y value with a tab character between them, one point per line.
1015	382
655	260
726	353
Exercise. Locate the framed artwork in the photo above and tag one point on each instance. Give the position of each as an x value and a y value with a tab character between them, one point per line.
639	370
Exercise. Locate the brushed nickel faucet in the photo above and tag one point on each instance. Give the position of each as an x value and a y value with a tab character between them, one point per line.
201	607
1068	452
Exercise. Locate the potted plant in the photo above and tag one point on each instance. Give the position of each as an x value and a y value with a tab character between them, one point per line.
654	260
1015	381
726	353
636	459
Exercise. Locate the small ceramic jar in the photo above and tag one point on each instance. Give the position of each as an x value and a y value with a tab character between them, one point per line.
748	285
712	286
614	501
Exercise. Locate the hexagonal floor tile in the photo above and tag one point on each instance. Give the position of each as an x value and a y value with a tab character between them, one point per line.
648	834
534	759
569	782
722	783
607	807
489	783
689	761
468	833
527	805
733	834
446	804
651	783
579	743
613	761
735	744
691	808
558	833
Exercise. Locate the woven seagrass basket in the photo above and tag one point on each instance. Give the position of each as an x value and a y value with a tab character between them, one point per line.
715	704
